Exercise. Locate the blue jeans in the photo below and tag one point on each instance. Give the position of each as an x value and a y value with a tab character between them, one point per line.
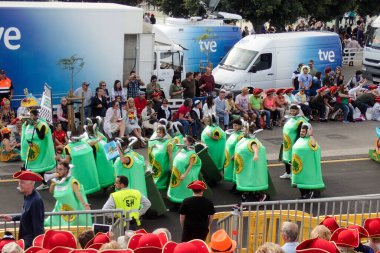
258	116
87	112
347	111
186	125
225	117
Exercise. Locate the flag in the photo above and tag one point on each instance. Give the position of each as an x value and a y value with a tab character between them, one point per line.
46	111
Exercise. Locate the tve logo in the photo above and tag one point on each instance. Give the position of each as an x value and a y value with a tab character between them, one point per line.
208	46
326	55
11	37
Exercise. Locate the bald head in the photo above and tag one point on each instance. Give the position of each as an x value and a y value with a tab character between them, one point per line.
289	231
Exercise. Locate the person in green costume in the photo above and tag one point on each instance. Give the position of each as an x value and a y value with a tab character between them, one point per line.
236	134
374	154
131	164
186	168
39	145
290	132
106	175
306	164
70	196
80	154
215	138
251	166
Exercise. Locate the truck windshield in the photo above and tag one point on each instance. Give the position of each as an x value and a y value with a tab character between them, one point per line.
373	39
171	60
238	58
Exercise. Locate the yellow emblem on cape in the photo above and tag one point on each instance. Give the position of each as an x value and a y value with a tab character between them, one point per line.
150	156
131	162
175	178
296	164
216	133
67	218
227	160
287	142
238	163
157	169
240	137
250	144
33	152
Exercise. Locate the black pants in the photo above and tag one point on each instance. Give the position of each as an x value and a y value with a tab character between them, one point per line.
287	168
362	107
306	110
321	109
191	234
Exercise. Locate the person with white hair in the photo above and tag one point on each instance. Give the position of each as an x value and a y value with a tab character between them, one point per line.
289	232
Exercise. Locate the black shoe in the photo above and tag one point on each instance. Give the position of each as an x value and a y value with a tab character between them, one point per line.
268	128
323	120
233	189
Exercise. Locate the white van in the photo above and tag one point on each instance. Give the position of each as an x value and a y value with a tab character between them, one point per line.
371	53
268	60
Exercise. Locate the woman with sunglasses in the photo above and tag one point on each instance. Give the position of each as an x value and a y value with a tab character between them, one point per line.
176	89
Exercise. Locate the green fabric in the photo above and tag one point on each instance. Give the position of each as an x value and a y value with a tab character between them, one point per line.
215	147
289	136
24	144
158	206
306	165
255	102
134	171
159	162
251	175
84	165
373	155
229	153
177	190
106	173
41	156
66	200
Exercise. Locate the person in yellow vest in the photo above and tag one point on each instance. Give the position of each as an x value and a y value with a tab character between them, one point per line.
128	200
6	86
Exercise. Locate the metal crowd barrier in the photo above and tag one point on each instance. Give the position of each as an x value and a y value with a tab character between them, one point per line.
117	218
255	223
354	55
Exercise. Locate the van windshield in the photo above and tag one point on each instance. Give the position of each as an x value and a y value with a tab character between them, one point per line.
373	39
238	58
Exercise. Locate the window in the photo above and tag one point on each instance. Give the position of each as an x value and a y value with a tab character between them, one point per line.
373	39
263	62
238	58
171	60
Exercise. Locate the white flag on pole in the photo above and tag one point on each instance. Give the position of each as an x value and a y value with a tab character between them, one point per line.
46	111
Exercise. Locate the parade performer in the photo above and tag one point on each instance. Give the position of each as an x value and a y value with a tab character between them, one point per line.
80	154
8	150
236	134
215	139
306	164
251	166
131	164
374	154
186	168
290	132
97	141
70	196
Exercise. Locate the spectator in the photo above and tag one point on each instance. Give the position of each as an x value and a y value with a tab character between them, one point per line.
164	111
245	32
295	75
149	116
269	103
366	100
112	245
8	151
176	90
197	77
290	98
221	242
7	113
85	237
305	78
157	101
256	105
313	71
328	79
59	137
357	79
316	84
231	107
197	115
131	121
321	232
209	107
62	113
140	103
153	86
281	104
207	82
270	247
338	77
18	131
6	86
188	86
319	102
147	18
345	104
302	101
289	233
133	85
99	103
332	100
103	85
87	93
184	116
118	91
113	122
242	104
221	109
376	110
152	19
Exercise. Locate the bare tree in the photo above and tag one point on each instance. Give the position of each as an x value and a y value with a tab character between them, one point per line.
74	64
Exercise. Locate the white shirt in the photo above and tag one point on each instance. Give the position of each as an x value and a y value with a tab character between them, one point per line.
290	247
207	111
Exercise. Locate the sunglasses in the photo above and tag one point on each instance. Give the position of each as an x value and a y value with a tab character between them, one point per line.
103	85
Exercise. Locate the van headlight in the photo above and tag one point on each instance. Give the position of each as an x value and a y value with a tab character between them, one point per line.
229	86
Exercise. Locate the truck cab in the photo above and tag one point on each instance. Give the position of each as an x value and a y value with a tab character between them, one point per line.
371	53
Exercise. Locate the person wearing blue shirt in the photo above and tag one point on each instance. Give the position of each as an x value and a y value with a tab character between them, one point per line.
305	79
221	108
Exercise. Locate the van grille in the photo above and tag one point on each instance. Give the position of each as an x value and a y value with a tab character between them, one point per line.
372	61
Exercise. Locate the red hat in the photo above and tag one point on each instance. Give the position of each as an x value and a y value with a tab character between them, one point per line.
155	94
270	91
141	231
257	91
289	90
54	238
346	237
61	249
372	87
221	242
193	246
321	89
333	89
34	249
6	130
145	243
317	245
377	99
101	238
330	223
5	241
363	233
37	241
94	246
27	175
372	225
197	185
280	91
117	251
89	250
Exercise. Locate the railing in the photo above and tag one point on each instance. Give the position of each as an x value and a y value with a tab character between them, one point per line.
352	55
109	217
261	222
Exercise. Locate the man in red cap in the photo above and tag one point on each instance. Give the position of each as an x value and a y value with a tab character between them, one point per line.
319	102
196	213
32	217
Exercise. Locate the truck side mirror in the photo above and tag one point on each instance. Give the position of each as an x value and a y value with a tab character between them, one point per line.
253	69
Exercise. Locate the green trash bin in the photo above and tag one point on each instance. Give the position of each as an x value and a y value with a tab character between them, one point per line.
158	206
209	170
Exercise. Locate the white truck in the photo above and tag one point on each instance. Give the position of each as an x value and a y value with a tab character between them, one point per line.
371	53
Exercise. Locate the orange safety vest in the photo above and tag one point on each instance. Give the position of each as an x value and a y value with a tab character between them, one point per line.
5	85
